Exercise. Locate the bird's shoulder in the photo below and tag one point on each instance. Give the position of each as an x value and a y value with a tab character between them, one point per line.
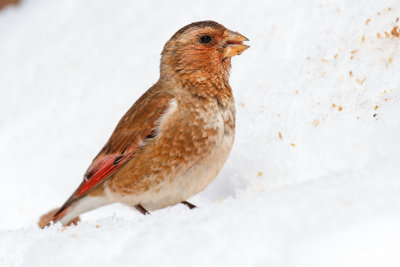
139	121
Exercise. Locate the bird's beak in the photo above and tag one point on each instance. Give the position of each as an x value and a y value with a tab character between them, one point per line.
235	45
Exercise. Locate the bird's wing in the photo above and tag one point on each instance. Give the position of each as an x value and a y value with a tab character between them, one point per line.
138	124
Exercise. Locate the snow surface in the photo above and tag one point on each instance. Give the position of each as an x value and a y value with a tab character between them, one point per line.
312	180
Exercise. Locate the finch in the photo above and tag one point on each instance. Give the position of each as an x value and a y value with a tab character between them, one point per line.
176	137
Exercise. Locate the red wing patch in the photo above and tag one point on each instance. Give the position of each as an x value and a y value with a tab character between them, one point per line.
102	168
60	214
135	127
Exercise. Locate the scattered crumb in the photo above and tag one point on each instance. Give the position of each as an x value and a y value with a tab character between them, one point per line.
367	21
376	107
293	144
354	51
374	115
338	10
378	35
378	13
340	108
333	105
296	92
351	73
259	174
395	31
390	60
387	35
315	123
361	82
363	39
242	104
358	117
336	56
97	226
280	136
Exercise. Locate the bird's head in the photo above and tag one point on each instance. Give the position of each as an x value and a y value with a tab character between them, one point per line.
201	51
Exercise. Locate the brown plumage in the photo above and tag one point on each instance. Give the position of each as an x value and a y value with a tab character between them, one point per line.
175	139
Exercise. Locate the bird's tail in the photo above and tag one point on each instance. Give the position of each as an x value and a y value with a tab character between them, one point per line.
70	211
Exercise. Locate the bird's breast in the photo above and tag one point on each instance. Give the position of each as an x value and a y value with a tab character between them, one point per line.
211	128
193	144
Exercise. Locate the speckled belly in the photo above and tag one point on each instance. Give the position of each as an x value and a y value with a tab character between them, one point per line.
181	175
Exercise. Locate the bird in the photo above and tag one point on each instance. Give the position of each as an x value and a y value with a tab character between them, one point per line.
174	140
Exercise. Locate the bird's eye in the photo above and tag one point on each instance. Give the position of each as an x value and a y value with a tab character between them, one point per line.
205	39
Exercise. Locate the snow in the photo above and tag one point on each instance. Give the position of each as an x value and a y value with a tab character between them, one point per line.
318	74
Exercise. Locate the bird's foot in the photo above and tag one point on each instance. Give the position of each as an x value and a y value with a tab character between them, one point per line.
190	205
141	209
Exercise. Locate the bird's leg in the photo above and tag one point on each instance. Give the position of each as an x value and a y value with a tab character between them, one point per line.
190	205
141	209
